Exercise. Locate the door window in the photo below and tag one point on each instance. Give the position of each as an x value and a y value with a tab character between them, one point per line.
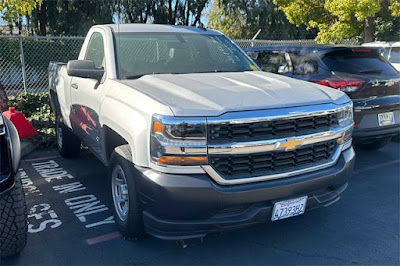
274	62
95	50
303	65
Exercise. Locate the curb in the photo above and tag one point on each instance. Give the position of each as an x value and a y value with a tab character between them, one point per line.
27	147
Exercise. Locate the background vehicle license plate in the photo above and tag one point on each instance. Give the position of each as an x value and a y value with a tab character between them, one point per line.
289	208
386	119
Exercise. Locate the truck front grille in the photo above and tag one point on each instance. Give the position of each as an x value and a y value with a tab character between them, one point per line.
231	132
273	162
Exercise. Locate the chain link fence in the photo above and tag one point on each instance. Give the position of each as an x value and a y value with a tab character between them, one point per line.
24	61
255	43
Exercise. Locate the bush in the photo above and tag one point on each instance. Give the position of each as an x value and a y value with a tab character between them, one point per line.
36	109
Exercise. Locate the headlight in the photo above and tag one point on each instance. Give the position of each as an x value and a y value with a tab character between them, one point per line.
178	141
345	116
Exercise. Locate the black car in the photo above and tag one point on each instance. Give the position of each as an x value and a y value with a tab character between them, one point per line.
370	81
13	219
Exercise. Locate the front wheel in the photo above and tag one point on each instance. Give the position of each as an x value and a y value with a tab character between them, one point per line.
13	221
374	145
67	143
127	208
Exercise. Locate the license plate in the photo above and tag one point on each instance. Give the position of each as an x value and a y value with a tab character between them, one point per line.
386	119
289	208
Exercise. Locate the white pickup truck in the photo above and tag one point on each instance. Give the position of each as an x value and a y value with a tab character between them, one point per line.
195	137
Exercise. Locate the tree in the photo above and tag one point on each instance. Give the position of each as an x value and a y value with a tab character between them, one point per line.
229	21
181	12
337	19
75	17
243	18
13	10
136	11
387	23
70	17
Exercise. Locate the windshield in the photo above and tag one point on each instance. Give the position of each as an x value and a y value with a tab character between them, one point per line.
395	55
361	63
161	53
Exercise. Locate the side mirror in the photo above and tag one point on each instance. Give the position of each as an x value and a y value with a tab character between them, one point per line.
84	69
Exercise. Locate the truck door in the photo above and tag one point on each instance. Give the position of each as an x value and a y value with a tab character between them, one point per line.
86	95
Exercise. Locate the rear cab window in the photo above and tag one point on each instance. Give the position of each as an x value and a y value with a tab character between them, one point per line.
358	61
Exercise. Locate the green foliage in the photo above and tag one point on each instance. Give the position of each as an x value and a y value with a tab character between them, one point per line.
11	9
387	27
36	108
232	23
335	19
75	17
242	19
395	8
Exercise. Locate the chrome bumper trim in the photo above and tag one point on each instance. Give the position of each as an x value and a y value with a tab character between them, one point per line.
273	145
245	117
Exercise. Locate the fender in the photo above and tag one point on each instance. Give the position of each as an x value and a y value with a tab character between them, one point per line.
130	125
129	112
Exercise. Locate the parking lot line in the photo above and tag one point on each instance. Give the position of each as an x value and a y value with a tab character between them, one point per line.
366	169
42	158
103	238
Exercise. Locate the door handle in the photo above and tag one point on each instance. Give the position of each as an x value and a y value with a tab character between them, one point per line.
74	86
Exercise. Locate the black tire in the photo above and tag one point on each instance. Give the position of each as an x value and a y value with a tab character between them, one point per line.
13	221
68	144
374	145
132	226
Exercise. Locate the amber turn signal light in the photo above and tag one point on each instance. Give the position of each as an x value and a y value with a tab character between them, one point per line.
182	160
157	127
343	139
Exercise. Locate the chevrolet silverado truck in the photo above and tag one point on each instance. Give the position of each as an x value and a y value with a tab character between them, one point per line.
13	212
195	137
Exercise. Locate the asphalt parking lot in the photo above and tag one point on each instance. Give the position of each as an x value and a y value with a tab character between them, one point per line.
71	222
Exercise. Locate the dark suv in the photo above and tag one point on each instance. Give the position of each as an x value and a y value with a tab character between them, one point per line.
13	220
370	81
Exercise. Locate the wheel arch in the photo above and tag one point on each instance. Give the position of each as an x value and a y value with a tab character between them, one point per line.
112	139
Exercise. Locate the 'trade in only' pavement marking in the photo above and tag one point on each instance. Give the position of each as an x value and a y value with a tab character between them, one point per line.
83	205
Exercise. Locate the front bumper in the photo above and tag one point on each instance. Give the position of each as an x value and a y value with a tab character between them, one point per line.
366	118
190	206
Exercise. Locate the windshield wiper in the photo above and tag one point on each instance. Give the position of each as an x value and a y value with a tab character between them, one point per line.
155	73
370	71
135	76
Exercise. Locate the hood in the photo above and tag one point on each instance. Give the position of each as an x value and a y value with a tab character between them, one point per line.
212	94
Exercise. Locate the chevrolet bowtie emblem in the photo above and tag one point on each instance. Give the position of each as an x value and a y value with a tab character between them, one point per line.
290	144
